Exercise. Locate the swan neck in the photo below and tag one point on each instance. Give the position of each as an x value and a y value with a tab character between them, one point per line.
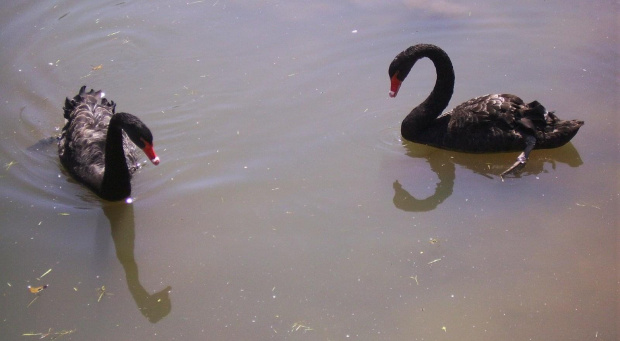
440	96
424	115
116	183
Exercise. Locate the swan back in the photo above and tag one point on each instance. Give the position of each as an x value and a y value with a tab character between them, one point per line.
82	144
489	123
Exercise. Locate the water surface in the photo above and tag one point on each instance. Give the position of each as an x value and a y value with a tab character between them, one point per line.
286	206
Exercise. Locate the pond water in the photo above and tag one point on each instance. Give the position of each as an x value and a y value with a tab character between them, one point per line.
286	205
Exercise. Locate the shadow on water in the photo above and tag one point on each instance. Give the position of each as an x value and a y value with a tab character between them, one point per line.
156	306
45	145
443	162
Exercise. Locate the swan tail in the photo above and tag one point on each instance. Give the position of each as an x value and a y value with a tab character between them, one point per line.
558	132
92	99
110	105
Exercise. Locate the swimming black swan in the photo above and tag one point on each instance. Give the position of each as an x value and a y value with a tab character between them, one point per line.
94	147
490	123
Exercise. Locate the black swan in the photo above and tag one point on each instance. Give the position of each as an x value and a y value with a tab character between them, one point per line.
94	147
490	123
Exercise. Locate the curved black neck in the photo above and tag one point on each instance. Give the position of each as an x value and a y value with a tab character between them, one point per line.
116	184
424	114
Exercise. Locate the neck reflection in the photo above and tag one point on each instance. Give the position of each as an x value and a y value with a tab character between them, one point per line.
153	306
489	165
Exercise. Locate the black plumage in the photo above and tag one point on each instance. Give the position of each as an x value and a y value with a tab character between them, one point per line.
97	145
489	123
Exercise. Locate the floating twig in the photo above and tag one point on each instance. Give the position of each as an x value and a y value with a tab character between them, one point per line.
102	292
46	272
8	165
298	326
55	336
31	302
434	261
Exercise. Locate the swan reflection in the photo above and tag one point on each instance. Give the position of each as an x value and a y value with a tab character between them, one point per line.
153	306
442	163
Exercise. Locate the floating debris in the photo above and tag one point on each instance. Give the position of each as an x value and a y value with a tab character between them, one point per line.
298	326
46	272
36	290
102	292
587	205
31	302
434	261
7	166
56	335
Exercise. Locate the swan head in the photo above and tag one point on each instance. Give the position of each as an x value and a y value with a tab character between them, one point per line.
139	134
398	71
403	63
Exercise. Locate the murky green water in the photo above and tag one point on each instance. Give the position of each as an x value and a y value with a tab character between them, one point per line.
286	205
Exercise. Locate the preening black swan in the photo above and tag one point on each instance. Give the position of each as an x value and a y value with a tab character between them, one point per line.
490	123
94	147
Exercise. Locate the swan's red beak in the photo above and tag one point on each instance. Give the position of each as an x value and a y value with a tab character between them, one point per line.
395	85
150	153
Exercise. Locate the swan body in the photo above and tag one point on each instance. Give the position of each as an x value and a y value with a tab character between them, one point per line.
98	146
489	123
